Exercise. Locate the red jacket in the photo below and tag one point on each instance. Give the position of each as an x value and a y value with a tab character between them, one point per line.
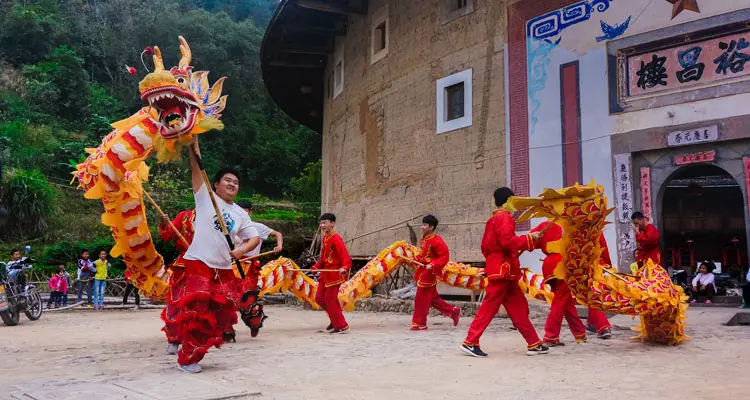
184	223
648	245
333	256
435	252
501	247
604	258
552	261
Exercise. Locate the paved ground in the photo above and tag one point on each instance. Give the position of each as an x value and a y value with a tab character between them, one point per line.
119	355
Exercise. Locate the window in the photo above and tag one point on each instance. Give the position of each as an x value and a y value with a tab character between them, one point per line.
454	102
338	73
379	35
453	9
455	97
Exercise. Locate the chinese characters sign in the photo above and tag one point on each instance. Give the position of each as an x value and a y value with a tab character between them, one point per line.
704	156
694	64
700	135
646	192
623	188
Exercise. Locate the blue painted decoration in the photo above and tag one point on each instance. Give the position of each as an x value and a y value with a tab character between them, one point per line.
611	32
543	34
555	22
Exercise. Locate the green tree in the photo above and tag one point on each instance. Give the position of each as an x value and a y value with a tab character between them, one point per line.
59	86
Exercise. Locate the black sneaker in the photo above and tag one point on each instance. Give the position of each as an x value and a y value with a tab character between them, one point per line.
339	331
329	327
606	334
535	351
591	328
228	337
473	351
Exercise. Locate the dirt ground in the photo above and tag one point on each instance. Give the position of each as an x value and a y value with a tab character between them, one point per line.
379	359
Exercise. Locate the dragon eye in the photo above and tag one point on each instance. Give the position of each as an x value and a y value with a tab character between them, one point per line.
181	81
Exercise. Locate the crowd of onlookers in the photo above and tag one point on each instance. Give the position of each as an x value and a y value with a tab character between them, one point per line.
91	278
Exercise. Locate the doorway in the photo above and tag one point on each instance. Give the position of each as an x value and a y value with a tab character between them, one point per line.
703	218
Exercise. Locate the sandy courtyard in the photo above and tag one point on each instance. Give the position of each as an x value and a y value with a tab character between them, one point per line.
83	354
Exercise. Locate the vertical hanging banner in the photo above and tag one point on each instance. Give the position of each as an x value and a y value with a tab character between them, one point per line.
646	193
746	162
623	188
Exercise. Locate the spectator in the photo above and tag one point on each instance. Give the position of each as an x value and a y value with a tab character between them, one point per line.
704	282
57	286
86	271
100	279
69	282
131	288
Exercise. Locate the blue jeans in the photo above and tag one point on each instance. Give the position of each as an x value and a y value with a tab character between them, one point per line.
99	286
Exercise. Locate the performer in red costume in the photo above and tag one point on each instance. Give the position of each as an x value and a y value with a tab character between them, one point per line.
335	264
184	223
434	255
501	247
209	291
563	303
647	238
597	321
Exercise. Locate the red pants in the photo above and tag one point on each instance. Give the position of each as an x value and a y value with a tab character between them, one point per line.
425	298
205	309
506	293
328	299
563	306
169	314
598	320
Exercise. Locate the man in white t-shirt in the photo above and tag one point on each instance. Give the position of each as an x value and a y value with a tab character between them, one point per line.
209	291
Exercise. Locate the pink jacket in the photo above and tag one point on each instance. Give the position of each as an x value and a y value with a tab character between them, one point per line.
58	284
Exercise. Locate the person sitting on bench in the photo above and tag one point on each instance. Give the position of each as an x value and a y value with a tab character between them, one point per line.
704	282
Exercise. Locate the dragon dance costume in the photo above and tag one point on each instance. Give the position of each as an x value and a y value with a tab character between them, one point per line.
433	252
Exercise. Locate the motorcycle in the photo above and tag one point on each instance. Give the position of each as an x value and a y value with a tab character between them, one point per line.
16	295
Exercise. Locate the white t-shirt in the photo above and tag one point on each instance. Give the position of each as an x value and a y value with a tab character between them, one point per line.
264	232
209	245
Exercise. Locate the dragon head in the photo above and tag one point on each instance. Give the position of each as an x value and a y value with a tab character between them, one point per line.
181	102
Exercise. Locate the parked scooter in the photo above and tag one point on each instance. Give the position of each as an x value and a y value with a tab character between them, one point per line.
16	295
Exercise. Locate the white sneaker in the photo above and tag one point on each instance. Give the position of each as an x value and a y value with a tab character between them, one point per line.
192	368
173	348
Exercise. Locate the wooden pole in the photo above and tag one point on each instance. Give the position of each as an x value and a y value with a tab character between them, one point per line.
171	225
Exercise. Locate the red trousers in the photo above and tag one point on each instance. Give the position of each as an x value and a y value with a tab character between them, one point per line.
328	299
563	306
206	307
169	314
428	297
506	293
598	320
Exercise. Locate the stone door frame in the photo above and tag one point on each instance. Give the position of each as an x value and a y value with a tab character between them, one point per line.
648	148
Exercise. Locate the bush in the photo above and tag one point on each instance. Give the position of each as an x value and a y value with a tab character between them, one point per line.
30	200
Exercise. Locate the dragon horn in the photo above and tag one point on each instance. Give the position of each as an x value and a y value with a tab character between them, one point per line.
185	51
158	61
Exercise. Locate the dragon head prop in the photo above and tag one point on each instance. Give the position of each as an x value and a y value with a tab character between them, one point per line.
180	102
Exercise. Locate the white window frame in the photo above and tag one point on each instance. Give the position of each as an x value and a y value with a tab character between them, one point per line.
443	125
380	17
338	79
